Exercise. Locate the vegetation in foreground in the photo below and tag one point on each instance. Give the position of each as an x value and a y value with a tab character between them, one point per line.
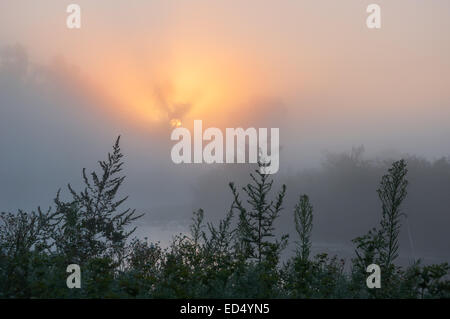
237	258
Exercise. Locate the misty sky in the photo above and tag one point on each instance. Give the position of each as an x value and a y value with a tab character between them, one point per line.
311	68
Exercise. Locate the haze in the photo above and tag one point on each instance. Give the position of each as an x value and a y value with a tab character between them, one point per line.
311	68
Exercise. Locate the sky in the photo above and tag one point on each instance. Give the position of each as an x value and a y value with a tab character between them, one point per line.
311	68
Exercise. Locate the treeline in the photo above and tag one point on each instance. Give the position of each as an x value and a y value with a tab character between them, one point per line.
239	257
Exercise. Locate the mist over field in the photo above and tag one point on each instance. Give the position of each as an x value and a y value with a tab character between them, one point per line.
52	127
363	116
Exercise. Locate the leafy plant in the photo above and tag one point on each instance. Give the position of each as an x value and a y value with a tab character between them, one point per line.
239	257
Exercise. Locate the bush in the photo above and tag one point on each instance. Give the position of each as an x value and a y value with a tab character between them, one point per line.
237	258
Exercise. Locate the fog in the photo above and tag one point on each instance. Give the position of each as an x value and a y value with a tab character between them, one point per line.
51	127
310	68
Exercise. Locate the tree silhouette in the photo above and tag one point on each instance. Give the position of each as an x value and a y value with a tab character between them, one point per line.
256	223
237	258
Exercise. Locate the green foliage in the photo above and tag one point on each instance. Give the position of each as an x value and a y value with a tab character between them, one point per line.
256	223
392	192
239	257
303	216
23	242
91	225
304	278
381	246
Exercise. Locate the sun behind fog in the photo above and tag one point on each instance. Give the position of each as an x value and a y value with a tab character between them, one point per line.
183	88
175	123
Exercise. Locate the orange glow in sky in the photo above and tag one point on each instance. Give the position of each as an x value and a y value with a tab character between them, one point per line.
188	86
